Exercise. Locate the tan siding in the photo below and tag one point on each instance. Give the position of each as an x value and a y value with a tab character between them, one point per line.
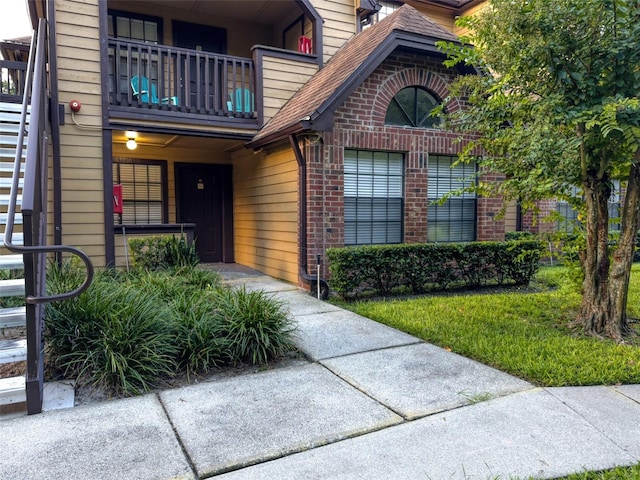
281	79
266	213
442	16
339	23
78	45
471	11
88	17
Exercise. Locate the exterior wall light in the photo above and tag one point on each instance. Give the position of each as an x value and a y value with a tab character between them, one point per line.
131	140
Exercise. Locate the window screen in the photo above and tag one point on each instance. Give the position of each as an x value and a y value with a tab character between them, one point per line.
142	191
373	197
455	219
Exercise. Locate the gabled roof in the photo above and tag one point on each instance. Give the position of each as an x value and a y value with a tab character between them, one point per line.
312	107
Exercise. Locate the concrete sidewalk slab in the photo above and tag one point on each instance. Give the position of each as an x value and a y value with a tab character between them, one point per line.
422	379
301	303
612	413
631	391
338	333
264	283
526	434
241	421
104	441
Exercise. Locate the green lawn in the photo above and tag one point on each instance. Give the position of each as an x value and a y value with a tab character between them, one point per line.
621	473
526	332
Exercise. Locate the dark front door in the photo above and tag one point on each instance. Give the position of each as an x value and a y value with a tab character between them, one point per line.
201	38
204	197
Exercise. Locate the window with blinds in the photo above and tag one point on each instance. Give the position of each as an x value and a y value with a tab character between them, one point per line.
455	219
567	214
614	206
143	191
373	197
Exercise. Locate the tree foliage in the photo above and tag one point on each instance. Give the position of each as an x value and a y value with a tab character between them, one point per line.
555	109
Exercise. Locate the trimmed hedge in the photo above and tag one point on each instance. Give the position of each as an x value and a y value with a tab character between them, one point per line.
380	269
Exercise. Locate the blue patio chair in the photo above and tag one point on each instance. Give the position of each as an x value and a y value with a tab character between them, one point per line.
140	89
243	101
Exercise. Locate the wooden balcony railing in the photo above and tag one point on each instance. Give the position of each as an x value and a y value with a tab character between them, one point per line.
12	80
144	75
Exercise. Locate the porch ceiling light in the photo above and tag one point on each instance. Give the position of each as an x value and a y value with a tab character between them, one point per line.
131	140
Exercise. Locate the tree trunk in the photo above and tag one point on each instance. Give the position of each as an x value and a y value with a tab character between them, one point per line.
606	283
596	308
623	255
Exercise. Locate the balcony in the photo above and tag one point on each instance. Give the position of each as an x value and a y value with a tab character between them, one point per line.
176	82
217	64
13	70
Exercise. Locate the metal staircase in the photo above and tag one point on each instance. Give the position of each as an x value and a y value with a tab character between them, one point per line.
23	215
13	342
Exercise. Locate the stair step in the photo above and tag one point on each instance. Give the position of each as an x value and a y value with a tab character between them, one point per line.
11	140
4	199
16	221
12	288
17	239
11	153
11	262
7	167
10	128
12	116
13	107
13	351
7	182
12	390
12	317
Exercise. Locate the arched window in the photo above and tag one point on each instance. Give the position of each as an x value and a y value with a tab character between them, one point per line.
412	107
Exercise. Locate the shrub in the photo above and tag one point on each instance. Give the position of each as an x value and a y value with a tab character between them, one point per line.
257	326
130	331
510	236
161	252
201	338
380	269
114	335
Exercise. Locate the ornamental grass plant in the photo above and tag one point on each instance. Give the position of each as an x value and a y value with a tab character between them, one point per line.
132	332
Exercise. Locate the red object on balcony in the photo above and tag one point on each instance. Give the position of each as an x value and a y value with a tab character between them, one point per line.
117	199
304	44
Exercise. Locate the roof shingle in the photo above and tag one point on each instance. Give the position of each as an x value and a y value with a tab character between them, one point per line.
345	63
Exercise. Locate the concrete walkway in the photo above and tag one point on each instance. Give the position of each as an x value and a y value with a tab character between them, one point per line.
369	403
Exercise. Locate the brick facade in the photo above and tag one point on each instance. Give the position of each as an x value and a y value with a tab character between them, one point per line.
359	124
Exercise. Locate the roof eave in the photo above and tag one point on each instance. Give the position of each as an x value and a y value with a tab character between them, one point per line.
281	134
